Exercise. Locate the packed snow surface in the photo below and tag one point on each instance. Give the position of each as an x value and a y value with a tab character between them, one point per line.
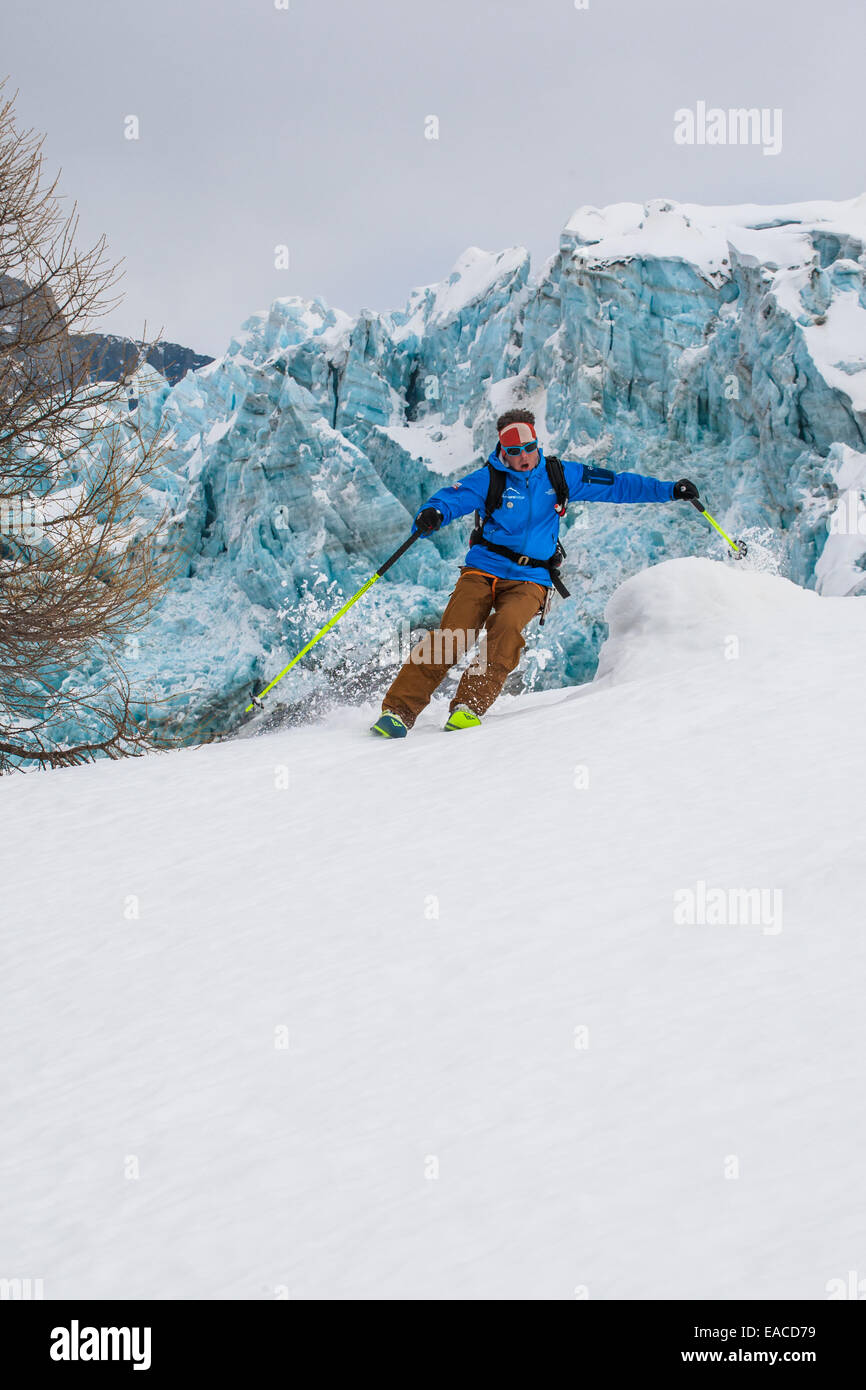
321	1016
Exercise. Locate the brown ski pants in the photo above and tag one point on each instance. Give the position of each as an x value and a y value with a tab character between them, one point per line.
483	607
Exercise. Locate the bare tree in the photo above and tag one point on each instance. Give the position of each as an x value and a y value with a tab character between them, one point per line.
79	569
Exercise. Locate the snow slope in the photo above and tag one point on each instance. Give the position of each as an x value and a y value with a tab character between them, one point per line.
308	1170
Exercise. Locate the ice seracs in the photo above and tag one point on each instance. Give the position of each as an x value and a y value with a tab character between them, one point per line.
727	344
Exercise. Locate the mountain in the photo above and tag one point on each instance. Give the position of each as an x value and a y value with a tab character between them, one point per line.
295	1016
112	356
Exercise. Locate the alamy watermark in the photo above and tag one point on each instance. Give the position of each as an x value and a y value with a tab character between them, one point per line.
852	1287
729	907
438	647
22	518
21	1290
77	1343
849	518
738	125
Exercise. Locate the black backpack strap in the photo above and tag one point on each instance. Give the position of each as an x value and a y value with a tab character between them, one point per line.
556	474
551	564
495	493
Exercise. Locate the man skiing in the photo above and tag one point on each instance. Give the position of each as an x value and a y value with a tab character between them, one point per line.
510	569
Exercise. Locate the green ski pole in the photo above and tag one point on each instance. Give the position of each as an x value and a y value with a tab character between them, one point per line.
256	700
739	547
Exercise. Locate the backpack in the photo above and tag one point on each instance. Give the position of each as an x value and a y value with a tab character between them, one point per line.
496	491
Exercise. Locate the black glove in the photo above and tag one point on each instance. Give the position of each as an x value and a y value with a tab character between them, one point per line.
685	491
428	521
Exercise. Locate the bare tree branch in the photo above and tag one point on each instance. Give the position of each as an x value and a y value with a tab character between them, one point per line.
79	568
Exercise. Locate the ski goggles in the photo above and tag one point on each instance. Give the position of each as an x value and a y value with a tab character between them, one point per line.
512	450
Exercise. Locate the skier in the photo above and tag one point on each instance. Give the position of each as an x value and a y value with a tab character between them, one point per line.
519	498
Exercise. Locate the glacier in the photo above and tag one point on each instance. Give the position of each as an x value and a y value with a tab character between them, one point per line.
726	344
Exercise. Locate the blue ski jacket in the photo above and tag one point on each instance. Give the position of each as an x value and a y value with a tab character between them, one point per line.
526	520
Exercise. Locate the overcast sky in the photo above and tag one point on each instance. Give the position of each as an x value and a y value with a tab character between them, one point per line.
305	127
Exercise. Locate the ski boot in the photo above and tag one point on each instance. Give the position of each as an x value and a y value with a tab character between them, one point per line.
462	718
389	726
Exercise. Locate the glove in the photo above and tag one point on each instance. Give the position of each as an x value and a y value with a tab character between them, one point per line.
428	521
685	491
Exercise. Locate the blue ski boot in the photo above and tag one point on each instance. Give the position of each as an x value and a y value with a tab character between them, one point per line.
389	726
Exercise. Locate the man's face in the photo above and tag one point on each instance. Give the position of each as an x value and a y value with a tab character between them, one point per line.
518	447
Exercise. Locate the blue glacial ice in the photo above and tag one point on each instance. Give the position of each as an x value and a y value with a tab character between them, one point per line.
727	344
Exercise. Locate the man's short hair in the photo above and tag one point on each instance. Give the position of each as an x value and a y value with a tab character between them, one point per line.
515	417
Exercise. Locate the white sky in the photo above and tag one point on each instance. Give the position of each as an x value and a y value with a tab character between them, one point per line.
306	127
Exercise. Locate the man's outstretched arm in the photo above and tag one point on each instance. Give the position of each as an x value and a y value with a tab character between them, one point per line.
588	483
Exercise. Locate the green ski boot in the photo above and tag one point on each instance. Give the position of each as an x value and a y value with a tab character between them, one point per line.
463	718
389	726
